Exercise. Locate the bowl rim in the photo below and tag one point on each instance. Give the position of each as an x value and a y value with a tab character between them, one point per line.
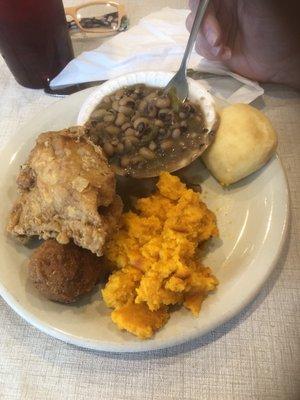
110	86
197	91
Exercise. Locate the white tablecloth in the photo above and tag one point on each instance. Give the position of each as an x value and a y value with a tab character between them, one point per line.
254	356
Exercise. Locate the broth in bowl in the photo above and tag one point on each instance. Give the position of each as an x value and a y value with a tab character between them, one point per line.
144	131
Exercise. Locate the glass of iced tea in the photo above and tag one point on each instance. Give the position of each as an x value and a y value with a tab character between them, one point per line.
34	40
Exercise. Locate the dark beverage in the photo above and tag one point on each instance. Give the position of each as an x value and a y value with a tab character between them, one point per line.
34	40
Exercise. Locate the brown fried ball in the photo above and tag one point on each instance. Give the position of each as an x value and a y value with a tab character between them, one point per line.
64	273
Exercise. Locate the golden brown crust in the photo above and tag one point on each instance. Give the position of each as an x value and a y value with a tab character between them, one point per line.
64	273
244	142
72	182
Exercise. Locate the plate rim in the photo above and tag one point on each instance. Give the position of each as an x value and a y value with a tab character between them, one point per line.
145	346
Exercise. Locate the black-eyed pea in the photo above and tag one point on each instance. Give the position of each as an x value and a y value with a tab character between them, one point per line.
99	126
166	145
164	134
127	101
119	94
152	146
121	119
159	123
115	105
141	124
143	106
146	153
106	100
127	144
134	140
152	109
176	133
130	132
138	134
182	145
114	141
120	148
151	96
125	110
164	113
136	159
98	115
139	88
125	126
125	161
108	149
163	102
183	126
135	116
109	117
112	129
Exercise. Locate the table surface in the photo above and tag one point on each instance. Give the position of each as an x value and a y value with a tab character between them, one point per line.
254	356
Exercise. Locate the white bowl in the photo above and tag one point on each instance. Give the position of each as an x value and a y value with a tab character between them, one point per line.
197	93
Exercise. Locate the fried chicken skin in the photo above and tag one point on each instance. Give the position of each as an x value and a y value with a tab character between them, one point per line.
67	191
64	273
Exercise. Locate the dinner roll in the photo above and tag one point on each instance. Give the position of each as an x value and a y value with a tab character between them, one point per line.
244	142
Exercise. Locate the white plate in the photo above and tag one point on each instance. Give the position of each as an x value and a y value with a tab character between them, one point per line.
252	218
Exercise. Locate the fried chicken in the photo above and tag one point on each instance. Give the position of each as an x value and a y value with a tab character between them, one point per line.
67	191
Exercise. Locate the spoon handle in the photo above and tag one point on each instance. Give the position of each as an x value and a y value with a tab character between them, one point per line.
194	32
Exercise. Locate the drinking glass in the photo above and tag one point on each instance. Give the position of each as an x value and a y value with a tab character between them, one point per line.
34	40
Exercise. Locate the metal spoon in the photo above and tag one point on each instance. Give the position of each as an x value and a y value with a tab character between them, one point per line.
179	81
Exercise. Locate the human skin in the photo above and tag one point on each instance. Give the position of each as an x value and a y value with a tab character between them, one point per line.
259	39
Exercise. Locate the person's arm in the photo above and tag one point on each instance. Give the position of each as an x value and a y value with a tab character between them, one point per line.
259	39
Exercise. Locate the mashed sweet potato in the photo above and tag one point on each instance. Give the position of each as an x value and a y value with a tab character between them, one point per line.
156	258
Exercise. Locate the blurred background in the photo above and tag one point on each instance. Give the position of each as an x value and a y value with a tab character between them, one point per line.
134	8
